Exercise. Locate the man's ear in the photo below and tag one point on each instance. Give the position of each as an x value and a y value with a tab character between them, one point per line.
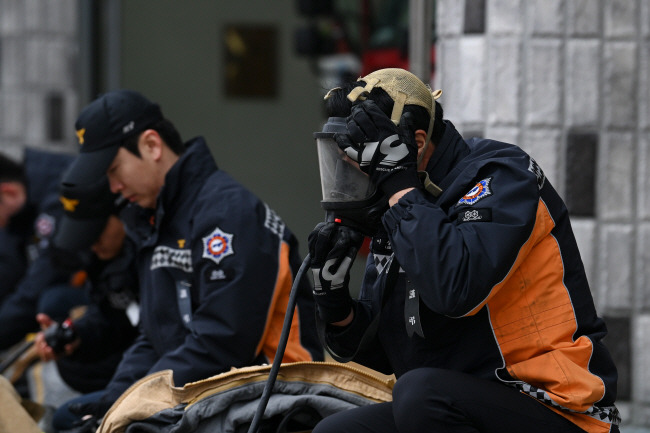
420	139
151	144
425	148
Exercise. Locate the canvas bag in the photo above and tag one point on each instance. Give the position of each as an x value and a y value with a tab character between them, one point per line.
17	414
304	393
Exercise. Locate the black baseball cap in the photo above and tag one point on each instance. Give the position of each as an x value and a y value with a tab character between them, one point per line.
86	208
103	125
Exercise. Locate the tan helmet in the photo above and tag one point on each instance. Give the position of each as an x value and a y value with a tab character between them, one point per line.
404	88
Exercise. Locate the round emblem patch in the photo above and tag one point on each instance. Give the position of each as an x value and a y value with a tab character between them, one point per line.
479	191
217	245
44	225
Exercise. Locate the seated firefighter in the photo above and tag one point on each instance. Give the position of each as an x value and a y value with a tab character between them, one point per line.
29	207
29	212
88	349
474	296
216	264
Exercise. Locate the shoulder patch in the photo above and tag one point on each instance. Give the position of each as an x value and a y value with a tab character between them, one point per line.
217	245
217	274
534	168
478	192
212	273
44	225
475	215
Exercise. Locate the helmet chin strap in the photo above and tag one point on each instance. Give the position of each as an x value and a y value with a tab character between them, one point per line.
428	184
423	151
435	95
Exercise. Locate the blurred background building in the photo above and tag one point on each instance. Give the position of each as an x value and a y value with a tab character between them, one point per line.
567	80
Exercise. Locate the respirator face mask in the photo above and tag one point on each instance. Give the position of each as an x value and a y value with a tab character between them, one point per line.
349	197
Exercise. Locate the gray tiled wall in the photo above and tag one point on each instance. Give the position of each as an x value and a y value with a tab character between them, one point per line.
38	69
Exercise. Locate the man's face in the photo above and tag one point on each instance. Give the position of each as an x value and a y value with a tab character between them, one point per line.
110	242
12	200
5	212
136	178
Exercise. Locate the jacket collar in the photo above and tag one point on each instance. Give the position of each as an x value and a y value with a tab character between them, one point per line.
451	149
182	182
187	174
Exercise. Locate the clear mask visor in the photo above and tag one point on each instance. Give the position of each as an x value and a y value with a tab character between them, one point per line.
341	179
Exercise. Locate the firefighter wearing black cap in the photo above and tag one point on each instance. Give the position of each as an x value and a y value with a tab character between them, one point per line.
216	264
30	211
474	295
87	347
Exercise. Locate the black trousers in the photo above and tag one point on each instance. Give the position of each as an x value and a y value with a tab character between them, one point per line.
429	400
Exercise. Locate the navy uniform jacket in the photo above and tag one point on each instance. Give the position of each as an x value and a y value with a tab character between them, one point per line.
216	265
25	263
489	282
105	328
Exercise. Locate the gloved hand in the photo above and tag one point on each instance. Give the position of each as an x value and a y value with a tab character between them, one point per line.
60	336
332	248
96	408
89	424
386	152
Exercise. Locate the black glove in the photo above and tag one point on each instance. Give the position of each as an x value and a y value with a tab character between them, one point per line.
89	424
57	336
386	152
95	408
333	248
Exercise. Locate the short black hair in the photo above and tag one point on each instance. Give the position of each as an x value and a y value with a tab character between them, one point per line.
167	132
338	105
11	171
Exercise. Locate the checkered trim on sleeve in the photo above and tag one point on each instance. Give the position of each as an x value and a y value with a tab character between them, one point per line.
383	261
608	414
166	257
273	222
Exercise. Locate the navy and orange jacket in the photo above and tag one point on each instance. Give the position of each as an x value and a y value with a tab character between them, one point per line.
216	266
500	290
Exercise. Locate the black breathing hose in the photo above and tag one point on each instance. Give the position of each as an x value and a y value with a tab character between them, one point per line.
282	345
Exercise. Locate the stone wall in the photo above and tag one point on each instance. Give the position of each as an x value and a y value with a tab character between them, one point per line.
38	68
569	81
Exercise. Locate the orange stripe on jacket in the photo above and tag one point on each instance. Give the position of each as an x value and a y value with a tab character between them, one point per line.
534	321
275	317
